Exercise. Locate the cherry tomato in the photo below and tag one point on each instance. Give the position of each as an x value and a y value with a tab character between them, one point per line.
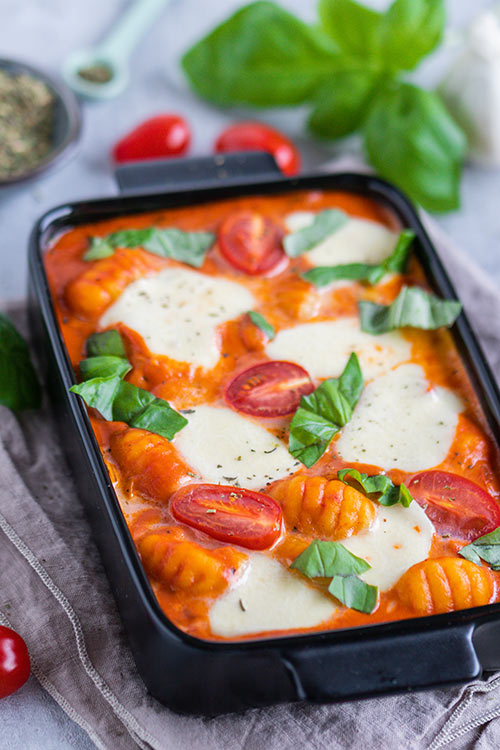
269	389
455	505
229	514
14	661
254	136
158	137
251	243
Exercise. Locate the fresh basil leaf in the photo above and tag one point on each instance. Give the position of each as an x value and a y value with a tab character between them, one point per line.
324	412
99	393
409	126
328	559
354	27
99	248
413	307
103	366
409	30
325	223
159	417
354	593
186	247
107	343
262	56
19	388
260	321
390	493
485	548
130	401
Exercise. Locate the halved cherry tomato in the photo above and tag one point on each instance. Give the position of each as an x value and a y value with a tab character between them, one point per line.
14	661
251	242
229	514
269	389
254	136
455	505
158	137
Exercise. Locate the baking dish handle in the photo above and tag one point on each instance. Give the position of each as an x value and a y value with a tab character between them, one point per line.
367	667
193	173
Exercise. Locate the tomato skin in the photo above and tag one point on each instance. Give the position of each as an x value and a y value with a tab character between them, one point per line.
14	661
455	505
251	243
249	519
254	136
269	389
156	138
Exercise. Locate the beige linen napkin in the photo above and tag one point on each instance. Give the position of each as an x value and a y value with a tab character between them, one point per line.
54	591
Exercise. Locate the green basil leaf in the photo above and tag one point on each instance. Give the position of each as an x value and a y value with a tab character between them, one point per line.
99	393
409	30
354	27
409	126
159	417
262	56
390	493
354	593
260	321
103	366
324	412
99	248
395	263
485	548
413	307
325	223
19	388
328	559
107	343
130	401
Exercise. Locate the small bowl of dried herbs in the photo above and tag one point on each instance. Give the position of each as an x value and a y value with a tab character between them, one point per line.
40	123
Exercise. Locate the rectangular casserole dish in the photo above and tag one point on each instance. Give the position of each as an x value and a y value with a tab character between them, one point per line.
191	675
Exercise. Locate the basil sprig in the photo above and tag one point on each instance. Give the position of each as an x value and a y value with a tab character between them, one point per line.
104	389
413	307
333	560
260	321
19	388
324	412
186	247
485	548
390	493
395	263
323	225
348	67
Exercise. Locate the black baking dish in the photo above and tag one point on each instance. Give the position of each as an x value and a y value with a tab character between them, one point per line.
195	676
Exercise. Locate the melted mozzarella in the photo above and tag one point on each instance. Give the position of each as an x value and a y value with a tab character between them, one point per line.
401	423
399	538
224	447
268	597
177	312
358	241
324	348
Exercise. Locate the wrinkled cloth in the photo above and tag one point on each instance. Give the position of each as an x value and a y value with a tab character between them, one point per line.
53	589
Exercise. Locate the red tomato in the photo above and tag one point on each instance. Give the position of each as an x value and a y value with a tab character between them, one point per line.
254	136
158	137
455	505
269	389
14	661
251	242
229	514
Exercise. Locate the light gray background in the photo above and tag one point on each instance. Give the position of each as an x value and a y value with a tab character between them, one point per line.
43	32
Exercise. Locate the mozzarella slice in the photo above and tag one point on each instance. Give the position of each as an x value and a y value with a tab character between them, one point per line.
268	597
324	348
399	538
177	311
224	447
401	423
358	241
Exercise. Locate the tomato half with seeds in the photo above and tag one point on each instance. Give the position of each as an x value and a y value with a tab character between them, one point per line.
229	514
255	136
455	505
252	243
14	661
269	389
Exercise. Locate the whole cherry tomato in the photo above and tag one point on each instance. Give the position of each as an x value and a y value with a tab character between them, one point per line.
158	137
14	661
254	136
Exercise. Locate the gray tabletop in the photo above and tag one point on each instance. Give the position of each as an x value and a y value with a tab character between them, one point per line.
44	32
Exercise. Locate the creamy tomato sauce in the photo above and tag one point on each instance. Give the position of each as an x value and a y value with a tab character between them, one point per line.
146	469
